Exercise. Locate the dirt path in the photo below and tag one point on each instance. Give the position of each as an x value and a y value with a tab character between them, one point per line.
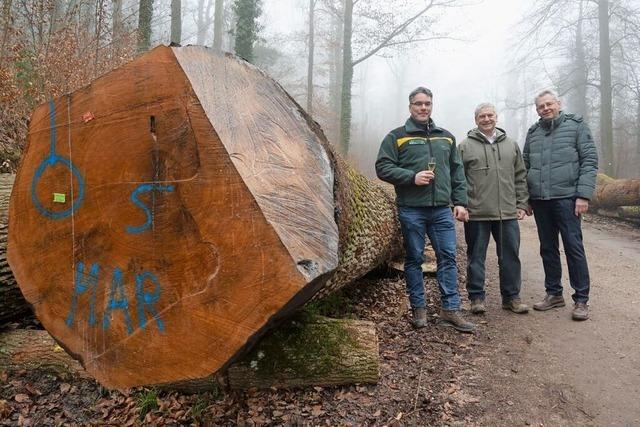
544	368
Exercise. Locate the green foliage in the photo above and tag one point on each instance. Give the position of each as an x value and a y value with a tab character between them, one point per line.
333	305
247	27
147	401
198	408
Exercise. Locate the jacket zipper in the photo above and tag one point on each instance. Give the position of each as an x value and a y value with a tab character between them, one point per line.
433	187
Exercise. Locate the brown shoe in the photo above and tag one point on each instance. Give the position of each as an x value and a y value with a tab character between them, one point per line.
419	317
516	306
580	311
549	302
477	306
452	319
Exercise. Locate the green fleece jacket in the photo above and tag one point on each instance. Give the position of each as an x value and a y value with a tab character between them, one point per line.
405	151
496	176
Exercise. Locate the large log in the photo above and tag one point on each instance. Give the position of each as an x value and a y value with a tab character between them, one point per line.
611	193
318	351
12	303
169	214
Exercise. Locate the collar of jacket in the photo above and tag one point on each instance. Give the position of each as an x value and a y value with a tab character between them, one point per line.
475	133
550	125
412	127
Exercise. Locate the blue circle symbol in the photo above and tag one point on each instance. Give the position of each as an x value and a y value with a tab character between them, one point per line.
51	160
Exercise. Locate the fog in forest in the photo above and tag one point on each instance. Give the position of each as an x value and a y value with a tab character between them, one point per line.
465	51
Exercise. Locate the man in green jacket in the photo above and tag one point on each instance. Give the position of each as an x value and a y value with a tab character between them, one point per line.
562	163
421	161
498	198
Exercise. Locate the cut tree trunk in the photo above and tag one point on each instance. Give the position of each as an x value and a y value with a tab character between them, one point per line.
169	214
305	352
611	193
12	303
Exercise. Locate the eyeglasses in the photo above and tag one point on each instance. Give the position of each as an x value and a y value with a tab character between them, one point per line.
421	104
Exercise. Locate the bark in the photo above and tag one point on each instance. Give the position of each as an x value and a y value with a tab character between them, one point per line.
34	349
195	207
612	193
322	352
12	303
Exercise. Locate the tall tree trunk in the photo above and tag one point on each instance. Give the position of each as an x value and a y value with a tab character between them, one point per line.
580	72
145	12
606	110
176	21
203	20
117	28
335	74
6	26
347	79
218	25
311	48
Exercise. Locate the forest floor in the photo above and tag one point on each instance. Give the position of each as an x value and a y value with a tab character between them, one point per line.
535	369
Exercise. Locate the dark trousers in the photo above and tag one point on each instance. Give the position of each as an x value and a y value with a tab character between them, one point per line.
506	234
555	217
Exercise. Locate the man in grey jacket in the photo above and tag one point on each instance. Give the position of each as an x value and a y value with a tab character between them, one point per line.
497	199
562	163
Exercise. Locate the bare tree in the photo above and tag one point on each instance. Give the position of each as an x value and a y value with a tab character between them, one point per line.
606	109
380	30
310	52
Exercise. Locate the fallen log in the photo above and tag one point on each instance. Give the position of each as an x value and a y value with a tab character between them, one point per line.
22	349
611	193
626	213
12	303
320	352
168	215
304	352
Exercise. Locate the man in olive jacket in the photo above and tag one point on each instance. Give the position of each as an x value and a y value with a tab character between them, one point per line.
562	163
421	161
498	198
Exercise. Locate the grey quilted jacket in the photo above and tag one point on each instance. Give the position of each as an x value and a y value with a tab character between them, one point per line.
561	159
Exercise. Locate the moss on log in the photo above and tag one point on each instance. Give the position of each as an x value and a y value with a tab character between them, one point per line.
316	352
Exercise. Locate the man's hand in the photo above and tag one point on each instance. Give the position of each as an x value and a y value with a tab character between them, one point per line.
521	214
582	206
460	213
424	177
529	210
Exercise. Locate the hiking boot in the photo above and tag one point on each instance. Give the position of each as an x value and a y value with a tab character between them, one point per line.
477	306
419	317
452	319
580	311
516	306
549	302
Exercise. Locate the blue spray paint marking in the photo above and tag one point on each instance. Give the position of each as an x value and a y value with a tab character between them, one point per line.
117	301
51	160
148	212
81	286
145	299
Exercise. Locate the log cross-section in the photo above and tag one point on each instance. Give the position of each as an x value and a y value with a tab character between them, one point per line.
166	216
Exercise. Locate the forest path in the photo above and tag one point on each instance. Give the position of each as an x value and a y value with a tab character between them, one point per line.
545	369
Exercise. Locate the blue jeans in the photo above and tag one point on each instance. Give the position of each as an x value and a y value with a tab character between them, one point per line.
555	217
437	223
506	234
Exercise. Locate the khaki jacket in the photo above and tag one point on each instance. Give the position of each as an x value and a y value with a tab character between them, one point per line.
496	176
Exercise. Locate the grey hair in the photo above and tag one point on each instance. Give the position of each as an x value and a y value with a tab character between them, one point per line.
420	89
551	92
484	105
